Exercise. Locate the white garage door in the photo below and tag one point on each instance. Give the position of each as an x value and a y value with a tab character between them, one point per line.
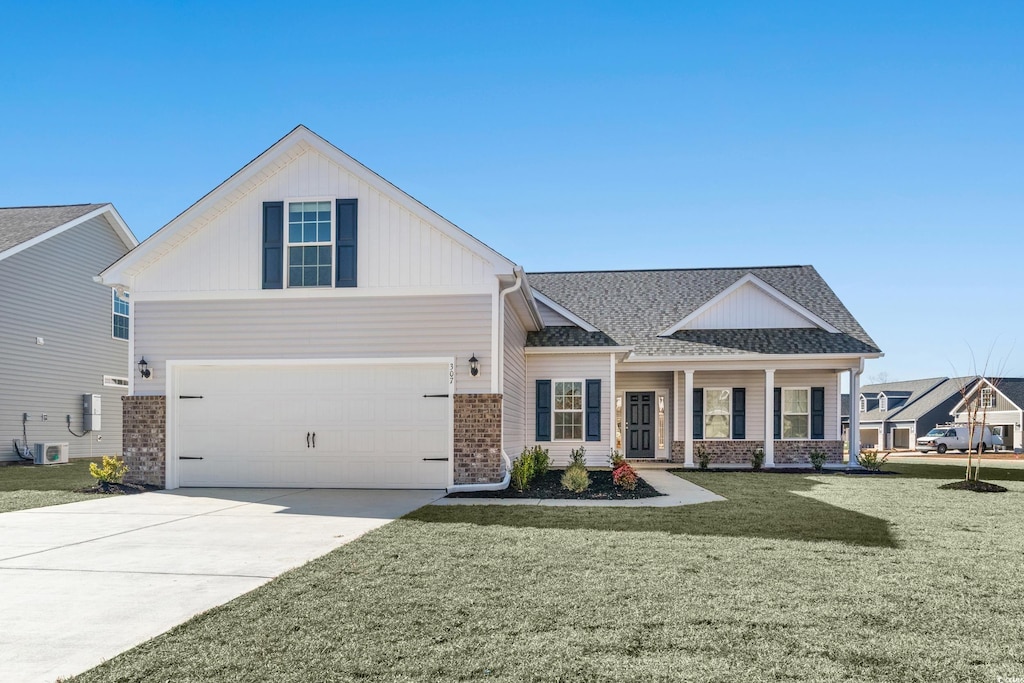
328	426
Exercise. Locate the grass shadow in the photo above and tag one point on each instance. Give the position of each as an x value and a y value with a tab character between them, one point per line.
955	472
762	505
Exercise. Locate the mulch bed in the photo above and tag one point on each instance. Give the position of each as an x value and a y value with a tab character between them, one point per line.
976	486
787	470
550	487
118	489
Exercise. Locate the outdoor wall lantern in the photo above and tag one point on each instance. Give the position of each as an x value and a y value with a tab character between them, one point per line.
144	368
474	365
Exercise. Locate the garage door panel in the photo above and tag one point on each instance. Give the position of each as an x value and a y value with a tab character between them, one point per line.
373	426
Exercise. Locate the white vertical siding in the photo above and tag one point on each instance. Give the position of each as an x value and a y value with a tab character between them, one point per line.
661	384
514	399
749	307
582	366
373	327
395	249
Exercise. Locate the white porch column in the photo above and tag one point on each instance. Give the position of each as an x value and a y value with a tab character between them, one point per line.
769	417
855	415
677	408
688	419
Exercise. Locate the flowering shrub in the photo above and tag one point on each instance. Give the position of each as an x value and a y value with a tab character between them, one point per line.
624	476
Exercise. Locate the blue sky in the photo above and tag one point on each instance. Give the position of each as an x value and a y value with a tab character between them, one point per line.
881	142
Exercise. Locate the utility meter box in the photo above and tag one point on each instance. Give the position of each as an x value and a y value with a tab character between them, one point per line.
92	411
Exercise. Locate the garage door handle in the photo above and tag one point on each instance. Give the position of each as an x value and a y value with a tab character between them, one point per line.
307	439
189	457
436	396
314	439
437	459
190	397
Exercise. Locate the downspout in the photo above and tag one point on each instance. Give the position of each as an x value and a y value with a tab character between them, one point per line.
503	484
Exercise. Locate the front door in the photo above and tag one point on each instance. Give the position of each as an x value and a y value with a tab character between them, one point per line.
640	424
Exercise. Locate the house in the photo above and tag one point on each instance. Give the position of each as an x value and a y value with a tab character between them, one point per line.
894	414
1001	399
63	335
307	323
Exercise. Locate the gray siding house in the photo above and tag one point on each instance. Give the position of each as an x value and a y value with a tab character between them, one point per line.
894	414
62	334
1003	402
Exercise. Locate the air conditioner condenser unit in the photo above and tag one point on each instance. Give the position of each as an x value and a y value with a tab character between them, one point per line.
49	453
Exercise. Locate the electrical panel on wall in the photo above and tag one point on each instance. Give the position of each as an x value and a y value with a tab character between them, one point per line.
91	412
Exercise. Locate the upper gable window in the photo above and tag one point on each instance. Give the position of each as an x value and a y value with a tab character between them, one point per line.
883	403
863	404
310	244
121	310
988	398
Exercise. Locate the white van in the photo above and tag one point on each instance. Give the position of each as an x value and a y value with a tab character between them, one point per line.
946	437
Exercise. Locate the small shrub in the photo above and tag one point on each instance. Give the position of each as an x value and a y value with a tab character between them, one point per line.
870	460
757	458
578	457
576	479
617	459
541	461
624	476
112	470
818	459
523	470
703	457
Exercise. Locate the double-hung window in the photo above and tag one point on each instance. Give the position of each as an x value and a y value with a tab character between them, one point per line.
121	311
796	413
717	413
988	398
568	410
310	243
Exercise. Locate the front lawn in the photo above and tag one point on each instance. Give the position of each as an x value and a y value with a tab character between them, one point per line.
794	577
34	486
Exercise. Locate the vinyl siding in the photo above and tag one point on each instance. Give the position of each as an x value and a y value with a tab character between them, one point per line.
395	247
749	307
661	384
50	294
582	366
551	318
376	327
514	399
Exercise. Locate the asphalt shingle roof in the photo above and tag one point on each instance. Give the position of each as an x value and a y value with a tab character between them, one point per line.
632	307
22	223
918	389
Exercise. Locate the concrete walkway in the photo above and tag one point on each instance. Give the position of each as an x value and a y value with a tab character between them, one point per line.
82	582
678	491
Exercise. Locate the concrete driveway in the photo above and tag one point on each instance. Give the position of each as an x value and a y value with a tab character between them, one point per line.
82	582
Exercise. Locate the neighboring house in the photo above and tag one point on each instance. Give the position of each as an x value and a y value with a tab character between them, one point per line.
894	414
307	323
1003	403
62	334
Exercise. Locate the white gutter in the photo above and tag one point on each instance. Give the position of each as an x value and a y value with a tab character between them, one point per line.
503	484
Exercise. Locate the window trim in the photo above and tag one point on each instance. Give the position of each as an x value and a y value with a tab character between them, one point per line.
990	394
883	403
286	273
728	414
783	413
113	381
582	411
114	315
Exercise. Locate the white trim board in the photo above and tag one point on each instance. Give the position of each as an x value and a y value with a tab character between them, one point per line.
754	281
107	211
298	140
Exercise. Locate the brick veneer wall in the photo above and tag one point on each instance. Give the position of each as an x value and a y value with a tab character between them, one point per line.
143	433
799	452
477	438
726	452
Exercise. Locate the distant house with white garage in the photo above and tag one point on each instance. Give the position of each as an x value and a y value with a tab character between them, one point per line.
1003	402
894	414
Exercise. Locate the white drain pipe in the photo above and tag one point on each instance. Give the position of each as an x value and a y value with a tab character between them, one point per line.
503	484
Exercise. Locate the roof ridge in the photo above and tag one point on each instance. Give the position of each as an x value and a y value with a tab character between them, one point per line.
54	206
661	270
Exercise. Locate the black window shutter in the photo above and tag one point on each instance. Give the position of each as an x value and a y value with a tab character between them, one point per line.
345	249
739	413
273	245
778	413
543	410
698	413
818	413
593	410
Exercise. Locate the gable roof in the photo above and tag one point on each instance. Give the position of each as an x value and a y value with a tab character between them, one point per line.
274	157
922	401
1010	387
24	226
634	307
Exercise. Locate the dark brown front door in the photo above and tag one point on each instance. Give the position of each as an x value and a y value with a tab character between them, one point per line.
640	424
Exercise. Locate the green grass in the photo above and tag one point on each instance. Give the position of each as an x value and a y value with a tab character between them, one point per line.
816	578
34	486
